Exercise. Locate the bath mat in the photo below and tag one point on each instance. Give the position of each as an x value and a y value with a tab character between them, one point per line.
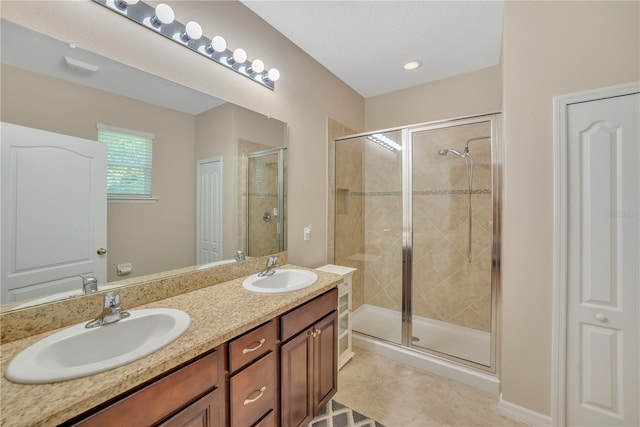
335	414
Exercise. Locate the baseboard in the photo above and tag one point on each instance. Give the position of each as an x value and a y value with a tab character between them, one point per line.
522	414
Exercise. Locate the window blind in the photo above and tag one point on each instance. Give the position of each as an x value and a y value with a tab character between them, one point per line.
129	161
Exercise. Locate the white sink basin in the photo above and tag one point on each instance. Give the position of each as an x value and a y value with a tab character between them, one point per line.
286	280
77	351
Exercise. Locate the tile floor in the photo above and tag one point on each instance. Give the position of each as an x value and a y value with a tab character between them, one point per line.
399	395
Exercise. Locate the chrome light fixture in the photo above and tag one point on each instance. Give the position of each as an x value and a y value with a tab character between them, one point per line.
161	19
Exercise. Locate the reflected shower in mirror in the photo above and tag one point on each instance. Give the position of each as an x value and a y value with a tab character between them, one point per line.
53	86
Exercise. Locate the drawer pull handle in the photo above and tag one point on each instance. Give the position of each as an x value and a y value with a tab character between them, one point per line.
250	349
260	393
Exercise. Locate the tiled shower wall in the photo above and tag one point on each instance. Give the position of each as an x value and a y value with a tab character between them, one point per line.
446	287
263	197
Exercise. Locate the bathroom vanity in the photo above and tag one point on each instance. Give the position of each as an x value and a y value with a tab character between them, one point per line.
247	359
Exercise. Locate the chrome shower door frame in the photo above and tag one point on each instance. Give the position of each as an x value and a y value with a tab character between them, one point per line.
280	224
407	235
407	231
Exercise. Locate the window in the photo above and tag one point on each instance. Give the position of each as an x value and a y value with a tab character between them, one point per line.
128	162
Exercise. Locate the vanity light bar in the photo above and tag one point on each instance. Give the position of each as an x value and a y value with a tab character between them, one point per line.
385	141
161	19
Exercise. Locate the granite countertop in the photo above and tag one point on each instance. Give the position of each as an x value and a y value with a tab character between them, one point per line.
218	313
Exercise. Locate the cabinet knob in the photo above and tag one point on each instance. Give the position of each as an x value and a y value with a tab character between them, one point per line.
601	317
101	251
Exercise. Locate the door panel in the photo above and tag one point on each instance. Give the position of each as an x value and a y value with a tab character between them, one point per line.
296	377
603	254
53	212
209	211
600	369
325	382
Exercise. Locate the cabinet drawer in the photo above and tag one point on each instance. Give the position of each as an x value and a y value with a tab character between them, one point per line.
154	402
268	421
251	346
307	314
207	411
253	392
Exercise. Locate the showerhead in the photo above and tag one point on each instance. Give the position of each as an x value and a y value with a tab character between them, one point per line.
445	151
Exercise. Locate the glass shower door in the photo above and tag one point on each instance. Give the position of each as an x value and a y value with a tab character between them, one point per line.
368	229
451	203
265	203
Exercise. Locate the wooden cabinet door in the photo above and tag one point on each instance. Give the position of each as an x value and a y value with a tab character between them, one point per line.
205	412
296	379
325	361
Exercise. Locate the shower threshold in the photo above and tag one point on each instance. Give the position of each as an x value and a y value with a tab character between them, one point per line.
458	341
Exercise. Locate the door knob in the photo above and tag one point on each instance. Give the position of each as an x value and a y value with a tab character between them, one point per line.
101	251
601	317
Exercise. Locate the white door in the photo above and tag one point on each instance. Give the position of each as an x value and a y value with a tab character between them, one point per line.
209	211
54	212
603	299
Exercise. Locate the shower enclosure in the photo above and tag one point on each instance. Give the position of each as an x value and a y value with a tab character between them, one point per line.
417	213
263	202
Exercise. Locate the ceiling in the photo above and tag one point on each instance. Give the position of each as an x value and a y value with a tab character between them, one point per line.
366	43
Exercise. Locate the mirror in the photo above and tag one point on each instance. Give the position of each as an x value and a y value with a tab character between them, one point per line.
48	84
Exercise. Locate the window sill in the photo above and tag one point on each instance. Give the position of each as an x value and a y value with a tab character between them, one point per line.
123	199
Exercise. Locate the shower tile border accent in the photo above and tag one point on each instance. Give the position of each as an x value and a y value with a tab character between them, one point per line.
420	192
264	195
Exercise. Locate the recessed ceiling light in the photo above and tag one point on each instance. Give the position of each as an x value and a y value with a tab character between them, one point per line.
412	65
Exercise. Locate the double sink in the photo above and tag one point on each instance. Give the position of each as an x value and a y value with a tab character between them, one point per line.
78	351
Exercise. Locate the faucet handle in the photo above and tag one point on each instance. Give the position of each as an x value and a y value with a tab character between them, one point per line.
112	300
272	261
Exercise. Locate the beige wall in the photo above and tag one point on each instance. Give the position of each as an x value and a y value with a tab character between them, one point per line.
304	97
472	93
549	48
168	225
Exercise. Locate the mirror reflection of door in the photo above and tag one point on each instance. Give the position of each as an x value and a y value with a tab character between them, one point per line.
209	210
264	202
54	212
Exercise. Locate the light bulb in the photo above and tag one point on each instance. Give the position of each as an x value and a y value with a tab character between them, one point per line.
193	31
239	55
218	44
124	4
164	15
273	74
257	66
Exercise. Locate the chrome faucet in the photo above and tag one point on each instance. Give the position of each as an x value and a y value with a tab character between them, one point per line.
272	263
111	313
240	256
89	284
